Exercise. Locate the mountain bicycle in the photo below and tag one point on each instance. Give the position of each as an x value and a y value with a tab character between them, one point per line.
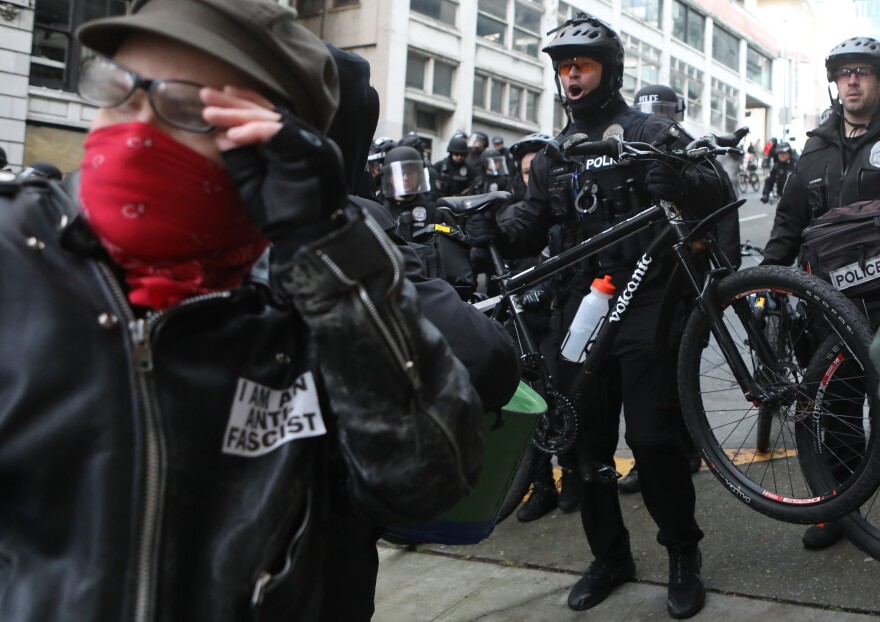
748	176
723	354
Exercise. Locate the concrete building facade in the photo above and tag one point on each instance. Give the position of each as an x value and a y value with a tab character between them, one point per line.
444	65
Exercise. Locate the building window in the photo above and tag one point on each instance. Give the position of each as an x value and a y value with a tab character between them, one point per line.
480	91
55	52
512	100
648	11
532	106
308	7
688	25
641	65
496	96
725	48
527	30
443	74
687	81
429	75
441	10
422	118
492	20
560	118
758	67
724	114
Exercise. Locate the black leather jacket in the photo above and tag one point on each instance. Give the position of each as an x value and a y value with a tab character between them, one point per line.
146	464
832	171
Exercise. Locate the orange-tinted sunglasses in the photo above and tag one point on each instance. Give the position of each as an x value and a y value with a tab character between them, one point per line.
583	65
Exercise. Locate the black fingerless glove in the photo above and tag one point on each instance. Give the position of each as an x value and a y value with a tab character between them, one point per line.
291	185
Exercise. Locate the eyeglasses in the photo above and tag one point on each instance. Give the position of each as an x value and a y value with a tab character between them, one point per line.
583	65
859	72
106	83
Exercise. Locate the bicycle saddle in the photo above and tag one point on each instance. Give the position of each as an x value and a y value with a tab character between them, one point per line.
461	206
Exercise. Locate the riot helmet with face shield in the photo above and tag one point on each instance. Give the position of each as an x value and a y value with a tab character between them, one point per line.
494	163
404	173
661	100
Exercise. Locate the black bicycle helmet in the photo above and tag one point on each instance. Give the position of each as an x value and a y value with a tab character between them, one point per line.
380	147
585	35
783	147
413	140
852	50
458	145
529	143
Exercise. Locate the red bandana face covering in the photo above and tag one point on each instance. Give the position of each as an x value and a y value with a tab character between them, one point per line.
165	213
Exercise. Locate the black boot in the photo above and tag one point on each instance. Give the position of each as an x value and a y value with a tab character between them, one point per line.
599	581
570	495
630	483
821	536
687	594
544	499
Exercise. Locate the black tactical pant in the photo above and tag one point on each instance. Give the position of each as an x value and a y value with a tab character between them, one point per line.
640	376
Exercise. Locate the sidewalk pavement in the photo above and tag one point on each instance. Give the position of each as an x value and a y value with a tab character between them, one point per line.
754	568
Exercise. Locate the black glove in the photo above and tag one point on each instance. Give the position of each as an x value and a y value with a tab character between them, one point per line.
664	182
765	199
290	185
482	229
532	300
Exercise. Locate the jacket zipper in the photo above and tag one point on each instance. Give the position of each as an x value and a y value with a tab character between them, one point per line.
398	346
140	331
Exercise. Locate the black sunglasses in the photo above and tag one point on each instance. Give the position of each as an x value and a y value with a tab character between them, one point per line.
846	72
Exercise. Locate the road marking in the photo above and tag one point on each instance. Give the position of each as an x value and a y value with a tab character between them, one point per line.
745	218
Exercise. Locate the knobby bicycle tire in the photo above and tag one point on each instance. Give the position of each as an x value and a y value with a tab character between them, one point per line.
766	413
519	486
861	527
722	421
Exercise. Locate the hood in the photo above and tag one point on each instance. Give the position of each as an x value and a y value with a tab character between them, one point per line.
355	122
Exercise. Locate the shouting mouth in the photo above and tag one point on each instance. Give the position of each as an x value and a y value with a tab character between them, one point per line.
574	91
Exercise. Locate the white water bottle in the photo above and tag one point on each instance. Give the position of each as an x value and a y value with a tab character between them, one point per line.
591	312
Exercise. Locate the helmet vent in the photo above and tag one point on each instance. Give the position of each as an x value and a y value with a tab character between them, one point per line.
593	35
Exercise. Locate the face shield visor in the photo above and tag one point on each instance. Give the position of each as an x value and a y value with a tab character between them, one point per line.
495	166
406	178
475	140
672	110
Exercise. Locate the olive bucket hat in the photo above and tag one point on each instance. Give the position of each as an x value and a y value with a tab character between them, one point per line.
259	37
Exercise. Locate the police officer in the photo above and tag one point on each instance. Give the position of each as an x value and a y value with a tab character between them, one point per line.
840	164
780	171
405	185
588	58
454	177
477	144
494	173
412	139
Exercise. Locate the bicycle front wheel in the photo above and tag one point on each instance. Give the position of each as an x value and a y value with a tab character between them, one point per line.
755	181
742	182
805	476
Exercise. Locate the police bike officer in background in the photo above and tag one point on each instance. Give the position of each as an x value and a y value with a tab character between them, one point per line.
588	58
840	165
780	171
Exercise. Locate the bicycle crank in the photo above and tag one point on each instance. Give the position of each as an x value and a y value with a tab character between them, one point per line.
557	428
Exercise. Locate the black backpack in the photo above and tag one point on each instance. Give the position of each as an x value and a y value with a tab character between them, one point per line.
843	247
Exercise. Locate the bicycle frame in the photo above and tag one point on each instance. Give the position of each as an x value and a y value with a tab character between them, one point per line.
676	237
